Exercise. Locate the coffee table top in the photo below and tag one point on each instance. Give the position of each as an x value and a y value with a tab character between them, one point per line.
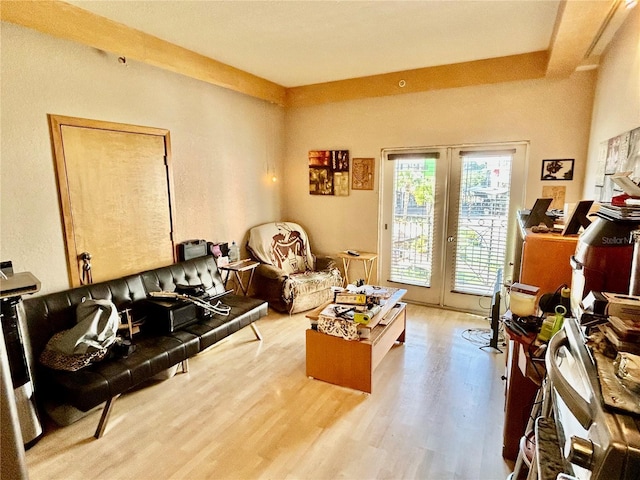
394	296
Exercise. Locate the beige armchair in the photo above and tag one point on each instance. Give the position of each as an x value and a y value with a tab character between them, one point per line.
290	277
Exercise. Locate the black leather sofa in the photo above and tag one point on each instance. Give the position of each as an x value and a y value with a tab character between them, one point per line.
154	352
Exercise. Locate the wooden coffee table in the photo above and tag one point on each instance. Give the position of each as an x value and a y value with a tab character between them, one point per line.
350	363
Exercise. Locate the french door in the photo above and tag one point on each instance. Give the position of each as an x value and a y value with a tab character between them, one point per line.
448	220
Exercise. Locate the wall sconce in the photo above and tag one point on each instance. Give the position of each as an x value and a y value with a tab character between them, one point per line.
271	173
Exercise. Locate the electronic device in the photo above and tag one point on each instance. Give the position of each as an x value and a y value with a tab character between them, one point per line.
353	253
12	286
538	214
173	311
578	218
192	249
603	259
18	284
495	313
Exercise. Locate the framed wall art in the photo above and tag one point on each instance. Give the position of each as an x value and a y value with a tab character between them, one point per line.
329	172
363	173
557	169
617	155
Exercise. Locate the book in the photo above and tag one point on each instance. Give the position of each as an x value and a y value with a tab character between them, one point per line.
626	307
629	212
350	298
627	330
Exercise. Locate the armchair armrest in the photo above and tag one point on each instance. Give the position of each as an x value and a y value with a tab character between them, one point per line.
271	272
325	263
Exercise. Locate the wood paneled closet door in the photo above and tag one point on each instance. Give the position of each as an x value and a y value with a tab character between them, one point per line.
115	192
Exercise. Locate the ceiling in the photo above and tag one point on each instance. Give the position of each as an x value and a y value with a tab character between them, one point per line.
294	43
306	52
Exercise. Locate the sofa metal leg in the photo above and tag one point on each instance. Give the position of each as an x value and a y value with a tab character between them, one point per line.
102	424
256	331
185	365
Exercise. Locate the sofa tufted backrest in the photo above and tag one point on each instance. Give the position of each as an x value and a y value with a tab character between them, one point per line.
197	271
49	314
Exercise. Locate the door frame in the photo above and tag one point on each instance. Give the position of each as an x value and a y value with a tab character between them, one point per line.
56	122
415	294
465	301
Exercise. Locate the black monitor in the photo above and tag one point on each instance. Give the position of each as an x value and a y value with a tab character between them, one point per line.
539	215
578	218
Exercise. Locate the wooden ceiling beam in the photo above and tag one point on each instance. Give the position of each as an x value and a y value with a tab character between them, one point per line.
480	72
578	25
69	22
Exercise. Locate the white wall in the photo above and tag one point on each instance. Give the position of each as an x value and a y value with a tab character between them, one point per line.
554	115
616	107
222	144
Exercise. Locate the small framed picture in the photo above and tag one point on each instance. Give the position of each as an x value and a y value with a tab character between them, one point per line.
560	169
363	174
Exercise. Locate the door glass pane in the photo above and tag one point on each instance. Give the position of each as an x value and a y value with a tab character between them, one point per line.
413	219
481	237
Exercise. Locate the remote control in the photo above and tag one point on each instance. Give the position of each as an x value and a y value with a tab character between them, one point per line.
353	252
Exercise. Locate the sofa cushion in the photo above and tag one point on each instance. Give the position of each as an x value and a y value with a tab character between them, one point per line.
245	310
94	384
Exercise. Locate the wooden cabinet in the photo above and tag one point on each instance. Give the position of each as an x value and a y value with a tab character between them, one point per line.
545	260
523	380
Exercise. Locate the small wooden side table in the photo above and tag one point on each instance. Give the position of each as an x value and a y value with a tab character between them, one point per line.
238	268
367	260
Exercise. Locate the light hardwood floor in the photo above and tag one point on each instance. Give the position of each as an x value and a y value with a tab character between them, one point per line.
246	410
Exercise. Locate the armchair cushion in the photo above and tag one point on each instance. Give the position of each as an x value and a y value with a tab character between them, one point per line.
290	277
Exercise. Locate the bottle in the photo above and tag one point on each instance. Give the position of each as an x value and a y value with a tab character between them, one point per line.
234	252
561	311
546	328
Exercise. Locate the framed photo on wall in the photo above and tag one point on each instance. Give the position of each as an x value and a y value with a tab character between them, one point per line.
557	169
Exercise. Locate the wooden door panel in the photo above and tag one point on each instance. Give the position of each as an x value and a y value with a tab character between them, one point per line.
116	200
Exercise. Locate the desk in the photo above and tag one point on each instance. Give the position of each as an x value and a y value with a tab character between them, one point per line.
367	260
545	259
237	268
350	363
